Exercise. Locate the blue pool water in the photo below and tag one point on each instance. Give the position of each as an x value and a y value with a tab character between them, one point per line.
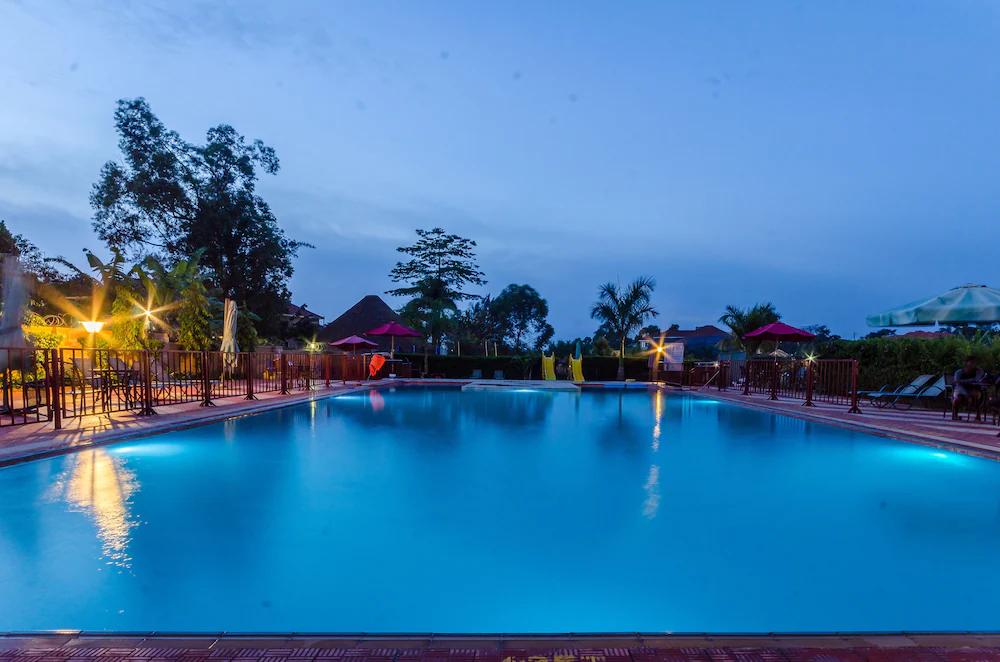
441	510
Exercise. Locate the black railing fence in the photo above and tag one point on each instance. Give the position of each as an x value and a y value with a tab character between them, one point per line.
42	385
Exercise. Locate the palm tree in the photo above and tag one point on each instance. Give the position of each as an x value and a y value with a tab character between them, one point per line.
742	321
624	312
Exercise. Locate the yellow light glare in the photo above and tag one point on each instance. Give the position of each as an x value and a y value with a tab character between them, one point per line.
93	327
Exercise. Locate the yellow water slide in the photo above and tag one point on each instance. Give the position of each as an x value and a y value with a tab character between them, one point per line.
576	369
549	367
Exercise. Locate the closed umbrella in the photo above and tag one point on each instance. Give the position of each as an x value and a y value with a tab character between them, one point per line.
392	330
966	304
229	346
11	335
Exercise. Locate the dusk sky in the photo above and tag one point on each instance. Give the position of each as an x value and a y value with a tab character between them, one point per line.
836	158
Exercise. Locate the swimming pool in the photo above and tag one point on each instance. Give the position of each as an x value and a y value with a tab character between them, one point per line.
432	509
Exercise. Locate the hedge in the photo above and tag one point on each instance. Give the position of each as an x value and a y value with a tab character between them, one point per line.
897	361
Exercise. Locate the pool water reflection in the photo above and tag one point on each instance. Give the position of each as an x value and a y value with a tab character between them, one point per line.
437	510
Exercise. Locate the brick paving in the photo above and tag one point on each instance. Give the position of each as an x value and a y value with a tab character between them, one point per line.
509	648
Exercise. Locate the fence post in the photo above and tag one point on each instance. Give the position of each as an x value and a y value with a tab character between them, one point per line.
145	374
326	369
854	389
774	381
249	364
283	372
746	377
343	368
206	382
55	401
809	384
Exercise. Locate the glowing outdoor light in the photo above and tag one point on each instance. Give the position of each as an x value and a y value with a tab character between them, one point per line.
93	327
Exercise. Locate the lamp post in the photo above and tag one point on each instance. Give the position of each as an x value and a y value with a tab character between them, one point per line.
93	328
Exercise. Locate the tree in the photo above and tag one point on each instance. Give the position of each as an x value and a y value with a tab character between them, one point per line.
742	321
523	314
602	347
624	312
170	197
477	325
440	266
195	317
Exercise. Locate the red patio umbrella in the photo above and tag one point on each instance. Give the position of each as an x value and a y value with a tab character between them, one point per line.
353	342
777	331
392	329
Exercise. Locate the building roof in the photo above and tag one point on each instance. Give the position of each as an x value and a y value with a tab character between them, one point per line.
707	331
369	313
300	311
927	334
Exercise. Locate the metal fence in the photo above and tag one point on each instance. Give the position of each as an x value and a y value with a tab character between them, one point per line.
42	385
831	381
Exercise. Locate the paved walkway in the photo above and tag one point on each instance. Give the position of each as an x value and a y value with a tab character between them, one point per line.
509	648
917	424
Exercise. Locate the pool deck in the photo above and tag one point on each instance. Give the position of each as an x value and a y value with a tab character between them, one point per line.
84	647
917	425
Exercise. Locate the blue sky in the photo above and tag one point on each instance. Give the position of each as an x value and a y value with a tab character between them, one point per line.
837	158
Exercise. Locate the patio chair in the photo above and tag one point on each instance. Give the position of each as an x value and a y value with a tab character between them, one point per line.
83	368
498	374
924	396
477	374
163	383
885	397
977	402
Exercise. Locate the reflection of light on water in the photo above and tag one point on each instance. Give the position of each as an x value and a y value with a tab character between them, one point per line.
658	414
652	487
148	449
99	485
378	402
915	453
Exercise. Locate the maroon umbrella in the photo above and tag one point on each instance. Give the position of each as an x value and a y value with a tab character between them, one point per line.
352	343
778	331
392	329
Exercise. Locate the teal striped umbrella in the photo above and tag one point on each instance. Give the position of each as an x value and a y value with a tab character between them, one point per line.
968	304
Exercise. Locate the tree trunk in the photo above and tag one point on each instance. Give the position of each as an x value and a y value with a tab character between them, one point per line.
621	362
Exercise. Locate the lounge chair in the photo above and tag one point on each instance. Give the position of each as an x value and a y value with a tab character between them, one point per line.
885	397
477	374
923	396
498	374
576	369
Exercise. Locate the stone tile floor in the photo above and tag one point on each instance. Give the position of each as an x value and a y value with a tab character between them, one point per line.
456	648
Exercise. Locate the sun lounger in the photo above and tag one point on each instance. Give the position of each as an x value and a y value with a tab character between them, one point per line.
886	397
923	396
477	374
498	374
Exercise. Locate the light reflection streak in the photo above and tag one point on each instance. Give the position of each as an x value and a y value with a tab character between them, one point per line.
652	487
99	485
